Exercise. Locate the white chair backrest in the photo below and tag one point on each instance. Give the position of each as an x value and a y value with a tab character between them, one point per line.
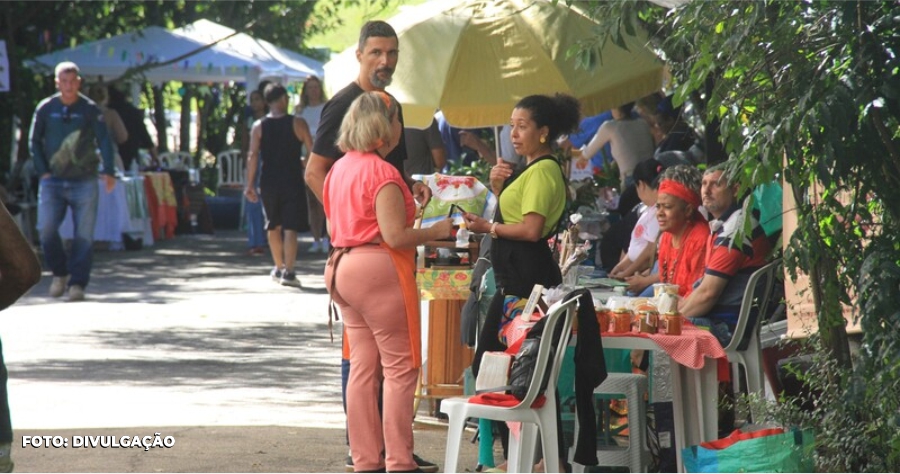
232	168
759	290
176	160
562	313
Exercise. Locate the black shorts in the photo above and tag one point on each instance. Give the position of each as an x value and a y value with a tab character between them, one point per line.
285	208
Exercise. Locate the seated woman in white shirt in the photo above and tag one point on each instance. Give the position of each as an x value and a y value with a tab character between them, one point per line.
642	247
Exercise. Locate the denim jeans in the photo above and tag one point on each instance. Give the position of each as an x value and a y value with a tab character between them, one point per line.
55	196
720	329
256	225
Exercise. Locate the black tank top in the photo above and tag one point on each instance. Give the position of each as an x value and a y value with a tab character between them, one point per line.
280	150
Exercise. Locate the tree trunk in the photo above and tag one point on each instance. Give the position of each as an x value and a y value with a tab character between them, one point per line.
185	131
159	117
826	298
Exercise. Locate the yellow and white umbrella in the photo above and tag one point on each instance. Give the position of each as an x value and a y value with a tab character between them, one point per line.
474	59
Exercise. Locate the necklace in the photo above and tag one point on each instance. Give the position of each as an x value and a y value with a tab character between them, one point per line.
668	265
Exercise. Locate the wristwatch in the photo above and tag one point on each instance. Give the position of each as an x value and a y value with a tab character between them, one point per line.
494	230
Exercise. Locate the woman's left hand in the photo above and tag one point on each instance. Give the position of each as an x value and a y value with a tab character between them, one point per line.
476	223
421	192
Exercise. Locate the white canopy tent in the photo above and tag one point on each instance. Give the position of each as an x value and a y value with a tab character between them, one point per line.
112	57
274	61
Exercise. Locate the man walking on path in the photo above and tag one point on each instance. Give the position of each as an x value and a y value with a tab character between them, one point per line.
280	137
377	52
65	132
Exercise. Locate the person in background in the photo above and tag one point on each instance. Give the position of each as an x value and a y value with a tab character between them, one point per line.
682	245
378	51
425	150
370	275
470	139
675	132
728	264
20	270
452	136
312	101
138	137
587	128
530	205
639	254
256	235
117	131
68	178
629	138
278	138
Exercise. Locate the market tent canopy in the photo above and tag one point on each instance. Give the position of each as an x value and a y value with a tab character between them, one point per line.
112	57
273	61
474	59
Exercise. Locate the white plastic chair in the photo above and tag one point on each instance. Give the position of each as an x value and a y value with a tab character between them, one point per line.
232	168
636	457
757	294
176	160
534	420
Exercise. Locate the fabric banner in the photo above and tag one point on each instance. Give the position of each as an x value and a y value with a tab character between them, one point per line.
465	191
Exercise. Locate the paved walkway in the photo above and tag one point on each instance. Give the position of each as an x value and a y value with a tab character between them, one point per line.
189	338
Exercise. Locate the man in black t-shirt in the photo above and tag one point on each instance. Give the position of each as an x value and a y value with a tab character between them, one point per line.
377	52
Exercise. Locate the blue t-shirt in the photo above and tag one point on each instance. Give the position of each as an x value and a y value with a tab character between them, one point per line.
586	130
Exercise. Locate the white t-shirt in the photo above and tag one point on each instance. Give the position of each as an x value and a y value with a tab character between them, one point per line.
312	114
630	142
644	233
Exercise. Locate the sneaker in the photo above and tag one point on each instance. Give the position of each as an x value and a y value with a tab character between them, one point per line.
326	245
314	247
424	465
76	293
349	466
289	278
58	286
276	274
6	464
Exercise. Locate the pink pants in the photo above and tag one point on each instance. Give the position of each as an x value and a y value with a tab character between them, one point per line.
367	291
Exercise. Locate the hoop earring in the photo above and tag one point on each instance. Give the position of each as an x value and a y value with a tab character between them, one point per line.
543	139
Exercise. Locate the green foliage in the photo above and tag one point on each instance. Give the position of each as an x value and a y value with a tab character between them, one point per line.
810	92
857	427
478	168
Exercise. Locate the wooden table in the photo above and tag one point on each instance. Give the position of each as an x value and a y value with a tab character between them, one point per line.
445	289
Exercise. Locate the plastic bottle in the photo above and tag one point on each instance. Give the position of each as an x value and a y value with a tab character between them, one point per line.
462	236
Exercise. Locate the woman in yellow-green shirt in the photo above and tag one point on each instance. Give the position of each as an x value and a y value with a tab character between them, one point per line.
531	202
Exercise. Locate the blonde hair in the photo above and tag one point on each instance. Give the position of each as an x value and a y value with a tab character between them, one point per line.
367	124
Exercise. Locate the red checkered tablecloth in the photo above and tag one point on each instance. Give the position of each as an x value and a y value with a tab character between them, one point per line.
689	349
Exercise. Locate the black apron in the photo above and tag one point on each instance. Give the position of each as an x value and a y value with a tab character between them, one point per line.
518	266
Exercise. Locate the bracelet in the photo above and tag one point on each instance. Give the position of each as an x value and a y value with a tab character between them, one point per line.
494	230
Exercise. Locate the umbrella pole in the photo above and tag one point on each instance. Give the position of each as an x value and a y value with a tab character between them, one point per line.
497	142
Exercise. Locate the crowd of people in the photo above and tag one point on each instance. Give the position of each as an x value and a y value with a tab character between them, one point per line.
341	168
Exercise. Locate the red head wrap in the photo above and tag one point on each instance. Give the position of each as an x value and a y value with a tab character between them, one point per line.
674	188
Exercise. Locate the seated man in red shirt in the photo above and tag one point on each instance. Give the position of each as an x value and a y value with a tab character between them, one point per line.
716	300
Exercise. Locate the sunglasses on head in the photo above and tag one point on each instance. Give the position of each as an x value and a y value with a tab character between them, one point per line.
66	116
